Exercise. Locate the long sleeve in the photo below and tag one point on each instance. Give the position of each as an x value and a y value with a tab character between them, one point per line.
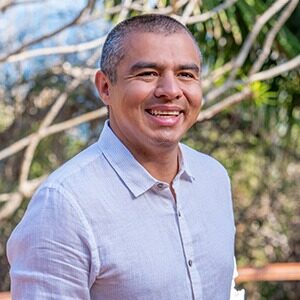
51	252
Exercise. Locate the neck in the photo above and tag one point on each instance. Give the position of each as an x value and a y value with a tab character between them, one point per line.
162	165
160	160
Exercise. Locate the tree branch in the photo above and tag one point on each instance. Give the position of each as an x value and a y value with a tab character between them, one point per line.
56	50
10	206
88	6
21	144
28	156
100	113
227	102
209	14
186	15
278	70
6	4
14	200
264	75
237	63
271	36
215	75
262	20
124	10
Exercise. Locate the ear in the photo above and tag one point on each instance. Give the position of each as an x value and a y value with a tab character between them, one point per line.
103	84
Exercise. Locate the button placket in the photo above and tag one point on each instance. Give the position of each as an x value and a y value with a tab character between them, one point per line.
189	251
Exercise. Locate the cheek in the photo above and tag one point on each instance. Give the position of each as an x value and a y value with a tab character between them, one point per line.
137	93
194	95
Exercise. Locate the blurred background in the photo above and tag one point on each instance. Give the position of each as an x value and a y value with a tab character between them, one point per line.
250	121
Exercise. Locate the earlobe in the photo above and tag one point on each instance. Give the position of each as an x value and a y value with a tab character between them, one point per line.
102	84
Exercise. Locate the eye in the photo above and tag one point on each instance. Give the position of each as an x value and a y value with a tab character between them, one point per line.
148	74
187	75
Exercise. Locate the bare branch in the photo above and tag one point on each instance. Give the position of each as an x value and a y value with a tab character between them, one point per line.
215	75
5	5
88	6
96	114
215	93
76	72
27	188
278	70
10	206
124	10
56	50
5	197
262	20
21	144
227	102
17	56
188	11
16	147
28	156
209	14
14	200
271	36
264	75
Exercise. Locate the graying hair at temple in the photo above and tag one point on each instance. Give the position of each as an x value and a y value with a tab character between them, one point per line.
113	48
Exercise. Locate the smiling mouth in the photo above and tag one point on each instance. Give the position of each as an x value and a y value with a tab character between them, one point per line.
160	113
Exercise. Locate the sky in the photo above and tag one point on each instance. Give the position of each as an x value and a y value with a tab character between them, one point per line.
23	23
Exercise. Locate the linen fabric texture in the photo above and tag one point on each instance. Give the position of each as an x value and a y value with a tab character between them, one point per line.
102	228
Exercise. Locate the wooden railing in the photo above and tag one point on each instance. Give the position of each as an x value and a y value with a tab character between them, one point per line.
271	272
4	296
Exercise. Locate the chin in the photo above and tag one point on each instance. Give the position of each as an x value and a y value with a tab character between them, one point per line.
167	141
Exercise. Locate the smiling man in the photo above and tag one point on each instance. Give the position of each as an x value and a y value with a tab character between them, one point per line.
137	215
155	96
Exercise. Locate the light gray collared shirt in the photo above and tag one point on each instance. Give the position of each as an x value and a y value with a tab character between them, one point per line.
101	227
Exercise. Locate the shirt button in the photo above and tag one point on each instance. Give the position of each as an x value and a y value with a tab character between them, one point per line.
190	262
179	214
160	185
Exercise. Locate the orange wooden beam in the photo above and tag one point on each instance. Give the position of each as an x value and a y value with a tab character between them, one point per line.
4	296
271	272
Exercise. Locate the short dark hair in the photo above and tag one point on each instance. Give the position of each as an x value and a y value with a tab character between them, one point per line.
113	48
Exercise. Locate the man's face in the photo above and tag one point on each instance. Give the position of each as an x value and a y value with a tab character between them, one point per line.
157	96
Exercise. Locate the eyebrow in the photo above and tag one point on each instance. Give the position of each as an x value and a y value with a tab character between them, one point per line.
149	65
143	65
191	66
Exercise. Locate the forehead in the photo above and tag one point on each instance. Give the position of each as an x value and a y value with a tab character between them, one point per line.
160	48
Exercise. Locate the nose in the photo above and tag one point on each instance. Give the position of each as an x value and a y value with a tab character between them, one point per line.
168	87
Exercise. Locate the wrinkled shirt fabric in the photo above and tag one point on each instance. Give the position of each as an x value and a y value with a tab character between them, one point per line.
102	228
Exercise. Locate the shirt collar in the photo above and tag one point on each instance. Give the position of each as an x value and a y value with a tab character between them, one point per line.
137	179
184	170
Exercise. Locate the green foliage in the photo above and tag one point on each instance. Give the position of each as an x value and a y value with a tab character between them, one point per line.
261	93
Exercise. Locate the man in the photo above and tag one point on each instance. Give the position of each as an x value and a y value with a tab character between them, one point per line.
136	215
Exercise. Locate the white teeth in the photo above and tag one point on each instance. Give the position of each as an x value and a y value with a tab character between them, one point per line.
164	113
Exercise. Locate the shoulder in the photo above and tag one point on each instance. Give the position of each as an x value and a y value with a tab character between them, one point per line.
75	179
55	204
74	170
